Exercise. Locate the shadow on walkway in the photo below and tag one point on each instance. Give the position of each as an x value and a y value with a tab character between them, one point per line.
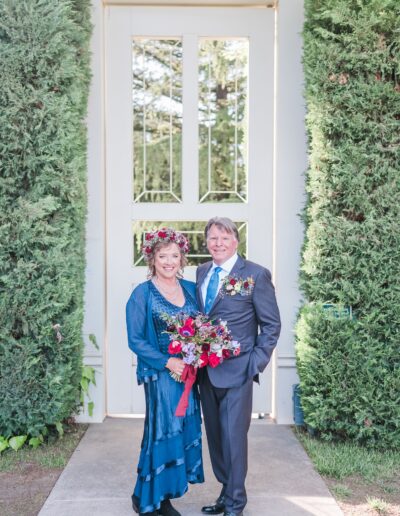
100	475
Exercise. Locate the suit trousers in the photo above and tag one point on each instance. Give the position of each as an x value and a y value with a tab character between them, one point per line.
227	416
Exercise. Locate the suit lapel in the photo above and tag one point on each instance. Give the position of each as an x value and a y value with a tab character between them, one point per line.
236	269
202	274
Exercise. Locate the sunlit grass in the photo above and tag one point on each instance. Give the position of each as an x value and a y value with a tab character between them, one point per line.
341	460
378	505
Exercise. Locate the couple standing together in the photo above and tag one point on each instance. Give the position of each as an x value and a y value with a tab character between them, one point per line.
171	447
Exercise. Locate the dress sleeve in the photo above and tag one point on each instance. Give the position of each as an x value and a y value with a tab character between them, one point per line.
138	341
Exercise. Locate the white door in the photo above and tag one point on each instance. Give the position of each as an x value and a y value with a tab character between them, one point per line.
189	135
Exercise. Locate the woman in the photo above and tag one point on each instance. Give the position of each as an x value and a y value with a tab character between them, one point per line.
171	447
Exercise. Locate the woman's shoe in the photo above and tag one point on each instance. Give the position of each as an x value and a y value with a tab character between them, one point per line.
135	503
135	507
166	509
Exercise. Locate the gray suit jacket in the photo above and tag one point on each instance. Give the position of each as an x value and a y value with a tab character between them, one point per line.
252	319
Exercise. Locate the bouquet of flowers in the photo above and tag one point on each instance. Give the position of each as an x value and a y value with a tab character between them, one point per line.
200	342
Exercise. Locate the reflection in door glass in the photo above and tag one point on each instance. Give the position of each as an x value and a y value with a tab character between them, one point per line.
157	119
223	113
194	231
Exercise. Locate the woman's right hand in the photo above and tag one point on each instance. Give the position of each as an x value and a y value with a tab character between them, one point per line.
176	365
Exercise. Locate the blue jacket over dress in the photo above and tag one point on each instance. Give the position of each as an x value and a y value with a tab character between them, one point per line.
142	338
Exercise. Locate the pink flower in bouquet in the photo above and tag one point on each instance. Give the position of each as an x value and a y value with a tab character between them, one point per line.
236	351
213	360
174	347
188	329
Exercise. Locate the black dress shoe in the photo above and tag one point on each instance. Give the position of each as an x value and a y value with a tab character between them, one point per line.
167	509
217	508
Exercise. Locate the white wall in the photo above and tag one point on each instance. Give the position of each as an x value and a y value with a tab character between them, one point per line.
94	321
291	162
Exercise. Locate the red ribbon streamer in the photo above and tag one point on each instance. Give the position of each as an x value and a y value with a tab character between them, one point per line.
188	377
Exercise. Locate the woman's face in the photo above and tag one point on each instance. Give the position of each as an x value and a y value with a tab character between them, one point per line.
167	261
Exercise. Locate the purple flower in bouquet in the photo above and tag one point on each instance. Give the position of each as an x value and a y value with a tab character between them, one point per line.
189	359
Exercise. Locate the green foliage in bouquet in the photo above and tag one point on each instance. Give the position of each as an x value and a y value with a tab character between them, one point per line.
349	361
44	70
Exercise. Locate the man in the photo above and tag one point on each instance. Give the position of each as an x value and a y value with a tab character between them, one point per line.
240	292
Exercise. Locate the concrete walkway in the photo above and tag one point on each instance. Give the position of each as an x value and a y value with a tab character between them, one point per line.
99	478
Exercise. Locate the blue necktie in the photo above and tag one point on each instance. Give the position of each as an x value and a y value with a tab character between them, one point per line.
212	289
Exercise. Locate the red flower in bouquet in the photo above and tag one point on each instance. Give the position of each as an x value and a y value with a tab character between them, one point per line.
203	360
226	353
214	360
174	347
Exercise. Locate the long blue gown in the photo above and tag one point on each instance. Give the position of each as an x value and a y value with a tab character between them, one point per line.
171	453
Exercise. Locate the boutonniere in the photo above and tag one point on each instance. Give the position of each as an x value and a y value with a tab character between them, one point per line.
232	285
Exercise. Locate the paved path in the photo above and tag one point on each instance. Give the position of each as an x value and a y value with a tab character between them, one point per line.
99	477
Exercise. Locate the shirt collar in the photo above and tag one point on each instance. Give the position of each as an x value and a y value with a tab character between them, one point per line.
228	265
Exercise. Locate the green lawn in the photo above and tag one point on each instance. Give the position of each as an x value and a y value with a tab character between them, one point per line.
27	476
54	454
364	481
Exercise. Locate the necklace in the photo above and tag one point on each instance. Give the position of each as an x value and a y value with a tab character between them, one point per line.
170	294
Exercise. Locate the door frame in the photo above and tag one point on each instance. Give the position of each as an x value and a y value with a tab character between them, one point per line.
118	196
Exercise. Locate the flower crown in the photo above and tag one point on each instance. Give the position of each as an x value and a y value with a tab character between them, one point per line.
165	236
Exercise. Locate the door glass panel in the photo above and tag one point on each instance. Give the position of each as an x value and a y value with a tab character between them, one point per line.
194	231
223	119
157	119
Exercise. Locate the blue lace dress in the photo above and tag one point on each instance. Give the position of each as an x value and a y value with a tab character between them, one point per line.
171	453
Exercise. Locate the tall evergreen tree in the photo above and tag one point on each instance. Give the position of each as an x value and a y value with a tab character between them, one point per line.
44	70
348	340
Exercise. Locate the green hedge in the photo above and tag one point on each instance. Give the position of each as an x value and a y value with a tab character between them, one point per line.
44	70
349	367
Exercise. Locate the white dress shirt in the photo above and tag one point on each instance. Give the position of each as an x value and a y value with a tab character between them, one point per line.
226	269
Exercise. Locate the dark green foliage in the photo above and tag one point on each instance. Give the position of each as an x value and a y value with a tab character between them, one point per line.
44	71
350	368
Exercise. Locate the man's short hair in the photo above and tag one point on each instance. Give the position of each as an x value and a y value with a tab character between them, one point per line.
222	223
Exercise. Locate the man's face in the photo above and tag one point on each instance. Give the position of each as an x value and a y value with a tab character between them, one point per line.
221	244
